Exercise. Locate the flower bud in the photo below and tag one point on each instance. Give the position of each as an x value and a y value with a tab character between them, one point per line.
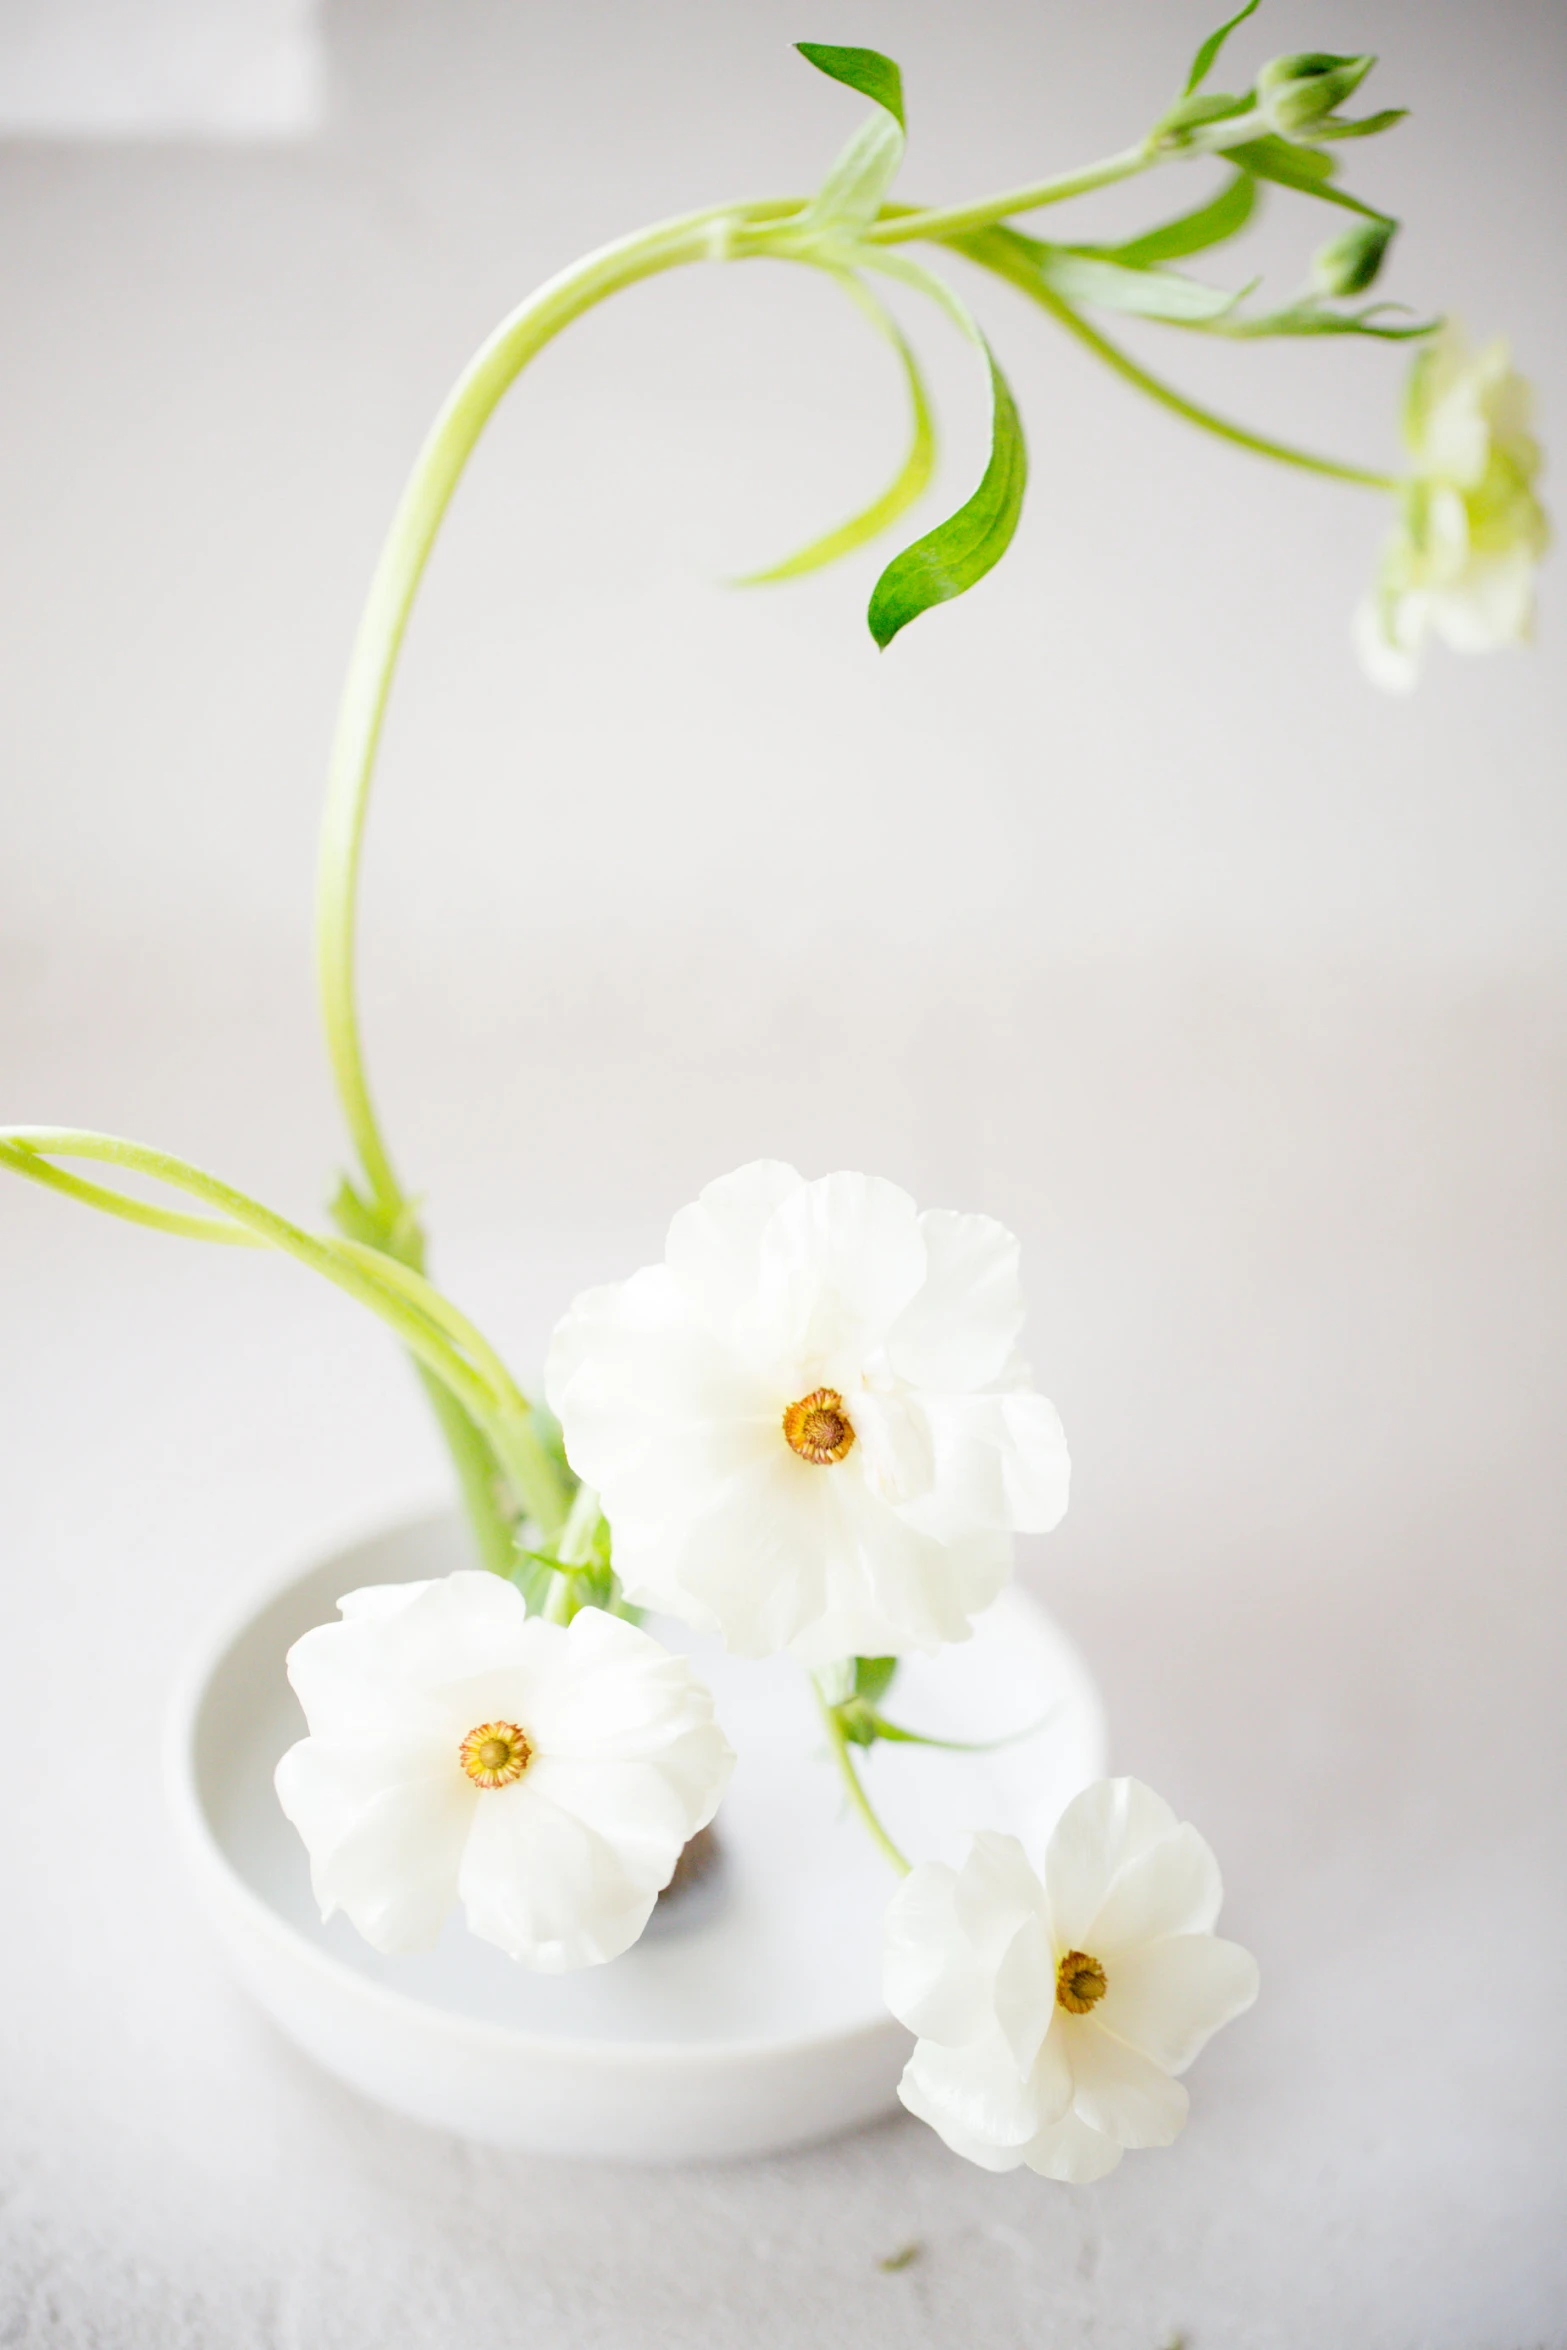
1296	94
1348	264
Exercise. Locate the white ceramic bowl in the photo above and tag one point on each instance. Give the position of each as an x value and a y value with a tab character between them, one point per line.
751	2018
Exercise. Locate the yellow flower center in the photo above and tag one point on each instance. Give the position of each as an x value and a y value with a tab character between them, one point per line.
1080	1982
817	1427
495	1754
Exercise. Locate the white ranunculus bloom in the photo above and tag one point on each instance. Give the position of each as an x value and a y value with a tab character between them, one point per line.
1461	562
809	1426
547	1776
1052	2016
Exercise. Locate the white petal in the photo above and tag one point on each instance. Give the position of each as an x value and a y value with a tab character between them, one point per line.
931	1977
546	1887
755	1556
890	1588
963	1323
1116	2090
655	1411
998	1461
1102	1829
384	1823
1025	2001
1172	1887
840	1259
982	2151
996	1893
1072	2152
714	1248
378	1667
1389	647
1169	1997
975	2091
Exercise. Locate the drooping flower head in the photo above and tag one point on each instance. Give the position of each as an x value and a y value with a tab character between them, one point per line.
547	1776
1053	2013
809	1427
1461	562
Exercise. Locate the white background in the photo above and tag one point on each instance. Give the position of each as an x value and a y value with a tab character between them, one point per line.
1111	900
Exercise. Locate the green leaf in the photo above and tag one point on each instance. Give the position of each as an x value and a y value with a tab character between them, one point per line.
909	483
948	560
1202	63
1148	293
875	1726
1278	159
1309	317
1193	232
1366	128
850	197
866	70
873	1676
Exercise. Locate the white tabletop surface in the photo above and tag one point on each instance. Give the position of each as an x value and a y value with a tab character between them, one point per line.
1244	1005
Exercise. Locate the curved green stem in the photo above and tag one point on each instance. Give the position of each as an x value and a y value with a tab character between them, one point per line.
693	237
993	251
855	1791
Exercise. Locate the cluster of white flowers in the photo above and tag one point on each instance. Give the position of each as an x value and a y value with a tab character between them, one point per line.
810	1429
1461	562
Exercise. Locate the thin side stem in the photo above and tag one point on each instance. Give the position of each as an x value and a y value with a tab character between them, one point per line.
897	227
856	1793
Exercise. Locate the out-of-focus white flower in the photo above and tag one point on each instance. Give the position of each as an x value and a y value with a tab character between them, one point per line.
1461	562
1052	2017
809	1426
547	1776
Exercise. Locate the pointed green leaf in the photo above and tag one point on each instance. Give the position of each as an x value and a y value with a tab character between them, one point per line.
866	70
910	482
1147	293
948	560
1193	232
1202	63
1304	168
1366	128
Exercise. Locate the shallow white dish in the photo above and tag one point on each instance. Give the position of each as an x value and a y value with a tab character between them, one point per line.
750	2019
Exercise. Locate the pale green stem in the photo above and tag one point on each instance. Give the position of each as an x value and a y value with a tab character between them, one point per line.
992	253
22	1161
856	1793
440	1310
478	1475
899	224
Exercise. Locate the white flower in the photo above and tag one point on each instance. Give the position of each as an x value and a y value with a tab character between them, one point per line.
808	1426
545	1775
1053	2016
1461	563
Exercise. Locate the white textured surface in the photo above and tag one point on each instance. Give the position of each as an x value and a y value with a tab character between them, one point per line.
1240	996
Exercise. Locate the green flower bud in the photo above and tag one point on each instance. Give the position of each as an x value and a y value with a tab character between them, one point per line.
1349	263
1295	95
